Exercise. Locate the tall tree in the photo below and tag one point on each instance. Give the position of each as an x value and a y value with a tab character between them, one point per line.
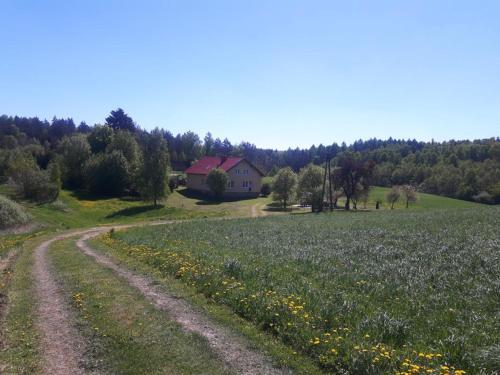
119	120
208	145
155	167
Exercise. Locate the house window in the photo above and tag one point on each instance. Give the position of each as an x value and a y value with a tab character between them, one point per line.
246	184
245	171
230	184
237	171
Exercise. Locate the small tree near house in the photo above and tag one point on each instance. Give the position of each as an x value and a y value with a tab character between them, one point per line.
284	186
393	195
409	194
217	180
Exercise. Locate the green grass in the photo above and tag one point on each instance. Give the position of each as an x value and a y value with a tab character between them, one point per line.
124	333
283	355
19	337
424	200
182	199
74	210
367	293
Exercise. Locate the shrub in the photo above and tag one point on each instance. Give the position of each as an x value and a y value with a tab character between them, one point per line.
217	181
265	190
483	197
11	213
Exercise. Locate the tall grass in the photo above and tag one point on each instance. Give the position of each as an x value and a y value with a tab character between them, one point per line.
365	293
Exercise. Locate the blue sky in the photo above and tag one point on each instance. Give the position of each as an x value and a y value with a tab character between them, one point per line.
275	73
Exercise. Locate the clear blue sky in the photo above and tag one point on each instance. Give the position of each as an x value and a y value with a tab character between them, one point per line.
275	73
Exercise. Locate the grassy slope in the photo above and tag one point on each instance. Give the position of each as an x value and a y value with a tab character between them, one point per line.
75	211
124	333
406	279
424	200
181	199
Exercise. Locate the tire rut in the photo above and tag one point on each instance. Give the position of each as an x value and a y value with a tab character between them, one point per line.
233	352
61	345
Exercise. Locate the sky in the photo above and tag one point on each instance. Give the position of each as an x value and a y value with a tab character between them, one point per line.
277	73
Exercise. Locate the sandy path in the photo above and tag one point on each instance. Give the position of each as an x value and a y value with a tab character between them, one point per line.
240	358
257	210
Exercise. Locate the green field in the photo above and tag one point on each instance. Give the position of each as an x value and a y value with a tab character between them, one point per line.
367	292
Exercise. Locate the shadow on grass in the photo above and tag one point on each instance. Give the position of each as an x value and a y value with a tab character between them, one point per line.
87	196
132	211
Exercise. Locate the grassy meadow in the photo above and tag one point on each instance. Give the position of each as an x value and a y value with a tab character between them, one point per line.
405	291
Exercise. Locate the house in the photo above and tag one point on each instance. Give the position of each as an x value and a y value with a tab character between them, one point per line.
245	180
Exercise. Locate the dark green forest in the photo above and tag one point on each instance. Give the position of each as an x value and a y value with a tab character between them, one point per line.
119	157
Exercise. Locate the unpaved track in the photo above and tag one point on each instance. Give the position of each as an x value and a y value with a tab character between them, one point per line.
61	345
230	348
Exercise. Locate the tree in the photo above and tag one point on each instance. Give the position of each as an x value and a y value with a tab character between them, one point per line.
75	151
83	128
107	174
208	145
310	180
217	180
119	120
265	189
284	185
155	167
352	174
393	195
191	146
409	194
125	143
55	175
99	138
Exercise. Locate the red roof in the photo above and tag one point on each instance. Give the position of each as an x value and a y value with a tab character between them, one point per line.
207	163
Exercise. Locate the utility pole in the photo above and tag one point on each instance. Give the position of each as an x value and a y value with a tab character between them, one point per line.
324	185
330	184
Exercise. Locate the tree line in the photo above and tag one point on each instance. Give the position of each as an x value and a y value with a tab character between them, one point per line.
460	169
113	159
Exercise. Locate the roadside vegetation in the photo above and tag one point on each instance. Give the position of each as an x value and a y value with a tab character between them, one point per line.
369	293
123	332
12	214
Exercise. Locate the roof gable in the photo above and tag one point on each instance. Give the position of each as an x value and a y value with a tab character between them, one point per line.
207	163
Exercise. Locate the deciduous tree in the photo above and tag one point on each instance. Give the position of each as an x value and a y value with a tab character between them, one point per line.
284	185
155	167
393	195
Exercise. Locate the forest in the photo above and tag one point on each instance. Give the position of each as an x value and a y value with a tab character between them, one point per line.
119	157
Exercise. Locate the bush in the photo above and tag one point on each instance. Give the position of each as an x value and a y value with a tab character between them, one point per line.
11	213
484	197
265	190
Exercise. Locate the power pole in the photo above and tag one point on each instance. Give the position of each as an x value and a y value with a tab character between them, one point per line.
330	184
324	186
